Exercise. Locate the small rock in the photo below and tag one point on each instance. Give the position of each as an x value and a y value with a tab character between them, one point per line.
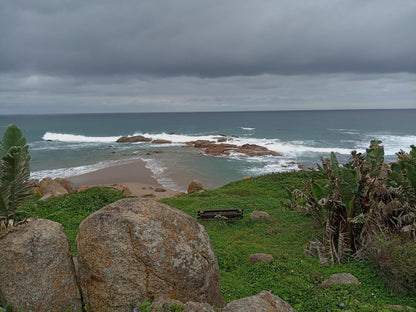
260	215
197	307
340	278
246	178
262	302
160	190
194	186
260	257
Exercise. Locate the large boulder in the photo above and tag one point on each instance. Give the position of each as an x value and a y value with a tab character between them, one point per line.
139	249
36	269
262	302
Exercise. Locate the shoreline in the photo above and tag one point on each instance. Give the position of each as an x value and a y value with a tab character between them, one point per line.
134	175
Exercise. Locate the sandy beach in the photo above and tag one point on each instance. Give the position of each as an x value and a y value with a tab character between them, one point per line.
133	175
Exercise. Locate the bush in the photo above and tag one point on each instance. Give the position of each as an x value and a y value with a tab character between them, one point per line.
395	259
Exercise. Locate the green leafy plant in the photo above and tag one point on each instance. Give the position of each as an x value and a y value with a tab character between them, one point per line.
360	201
15	187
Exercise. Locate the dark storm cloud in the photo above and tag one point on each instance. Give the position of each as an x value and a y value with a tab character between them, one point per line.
207	38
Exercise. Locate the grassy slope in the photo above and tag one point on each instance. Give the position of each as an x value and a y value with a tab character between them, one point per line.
292	275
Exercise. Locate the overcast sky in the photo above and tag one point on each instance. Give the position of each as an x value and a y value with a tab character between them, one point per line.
213	55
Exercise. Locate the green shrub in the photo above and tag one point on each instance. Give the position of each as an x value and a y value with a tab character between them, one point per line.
395	258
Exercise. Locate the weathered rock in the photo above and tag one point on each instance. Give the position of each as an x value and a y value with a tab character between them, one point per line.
260	215
49	189
254	150
36	269
262	302
161	141
160	190
133	139
197	307
138	249
340	278
225	149
246	178
68	185
260	257
194	186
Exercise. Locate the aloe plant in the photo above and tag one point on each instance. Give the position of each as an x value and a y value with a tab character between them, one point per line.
14	172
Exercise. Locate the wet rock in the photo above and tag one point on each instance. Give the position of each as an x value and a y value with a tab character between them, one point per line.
161	142
137	249
36	269
160	190
133	139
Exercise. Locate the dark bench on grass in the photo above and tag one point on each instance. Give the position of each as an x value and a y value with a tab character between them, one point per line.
221	214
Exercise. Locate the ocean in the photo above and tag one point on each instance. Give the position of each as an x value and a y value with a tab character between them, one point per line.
72	144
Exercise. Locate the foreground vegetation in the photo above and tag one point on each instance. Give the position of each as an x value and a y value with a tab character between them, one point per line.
293	276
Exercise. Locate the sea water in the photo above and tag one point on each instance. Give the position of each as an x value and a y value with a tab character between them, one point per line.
71	144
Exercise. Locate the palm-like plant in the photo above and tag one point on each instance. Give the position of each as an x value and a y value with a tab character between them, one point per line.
14	173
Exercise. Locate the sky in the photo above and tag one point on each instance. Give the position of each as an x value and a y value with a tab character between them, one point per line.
215	55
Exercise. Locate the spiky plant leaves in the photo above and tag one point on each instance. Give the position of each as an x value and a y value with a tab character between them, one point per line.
14	172
12	136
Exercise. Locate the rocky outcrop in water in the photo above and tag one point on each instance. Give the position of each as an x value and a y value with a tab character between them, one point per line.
133	139
225	149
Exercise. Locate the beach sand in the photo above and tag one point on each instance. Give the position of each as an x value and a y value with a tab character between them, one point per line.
133	175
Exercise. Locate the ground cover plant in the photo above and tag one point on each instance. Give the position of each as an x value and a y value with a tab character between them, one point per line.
293	276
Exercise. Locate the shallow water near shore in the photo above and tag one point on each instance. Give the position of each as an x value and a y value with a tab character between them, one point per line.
67	145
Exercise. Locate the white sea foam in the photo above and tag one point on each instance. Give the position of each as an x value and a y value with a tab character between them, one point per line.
68	172
247	128
282	165
159	173
75	138
392	143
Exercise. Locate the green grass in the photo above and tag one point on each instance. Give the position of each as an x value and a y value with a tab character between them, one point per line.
292	275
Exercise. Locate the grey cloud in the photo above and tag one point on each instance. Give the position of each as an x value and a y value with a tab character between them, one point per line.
207	38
